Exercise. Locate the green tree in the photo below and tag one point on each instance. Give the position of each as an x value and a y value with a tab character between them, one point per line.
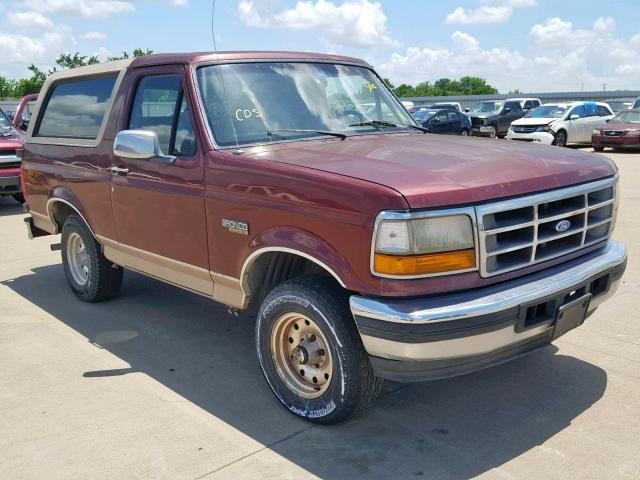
446	87
138	52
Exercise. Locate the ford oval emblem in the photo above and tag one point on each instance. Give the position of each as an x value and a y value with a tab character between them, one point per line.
563	226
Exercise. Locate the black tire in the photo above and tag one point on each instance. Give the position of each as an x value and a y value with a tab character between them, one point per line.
465	133
352	385
104	279
598	149
561	139
18	197
494	134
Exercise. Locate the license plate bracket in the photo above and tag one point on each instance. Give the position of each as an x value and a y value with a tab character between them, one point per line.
571	315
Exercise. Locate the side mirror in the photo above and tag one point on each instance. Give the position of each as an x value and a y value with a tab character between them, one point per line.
574	117
505	111
140	145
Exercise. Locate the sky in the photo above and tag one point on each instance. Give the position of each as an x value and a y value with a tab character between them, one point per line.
528	45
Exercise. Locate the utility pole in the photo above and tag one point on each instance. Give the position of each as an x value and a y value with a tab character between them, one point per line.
604	87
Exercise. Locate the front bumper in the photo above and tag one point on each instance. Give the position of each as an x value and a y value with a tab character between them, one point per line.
458	333
482	131
545	138
9	181
624	141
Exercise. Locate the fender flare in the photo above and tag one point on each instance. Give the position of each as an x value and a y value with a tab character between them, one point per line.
66	196
302	243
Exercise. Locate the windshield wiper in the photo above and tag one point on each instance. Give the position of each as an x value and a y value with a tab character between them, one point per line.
383	123
340	135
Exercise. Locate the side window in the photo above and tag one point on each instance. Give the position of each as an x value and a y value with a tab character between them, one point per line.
453	116
514	106
591	109
185	139
76	109
579	110
603	112
159	106
441	117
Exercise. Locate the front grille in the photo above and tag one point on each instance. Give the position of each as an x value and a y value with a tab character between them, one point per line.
477	122
613	133
525	128
524	231
8	165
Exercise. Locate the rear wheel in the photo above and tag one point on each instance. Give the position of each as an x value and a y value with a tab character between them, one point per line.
311	354
90	275
18	197
598	149
464	133
561	139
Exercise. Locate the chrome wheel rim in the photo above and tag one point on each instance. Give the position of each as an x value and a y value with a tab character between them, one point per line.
301	355
78	259
561	140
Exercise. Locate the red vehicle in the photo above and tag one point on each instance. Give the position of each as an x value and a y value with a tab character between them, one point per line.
10	143
23	113
297	185
622	131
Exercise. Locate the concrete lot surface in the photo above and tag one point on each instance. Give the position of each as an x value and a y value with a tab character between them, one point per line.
160	383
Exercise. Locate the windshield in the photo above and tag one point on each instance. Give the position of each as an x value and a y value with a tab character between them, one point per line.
620	105
245	101
424	115
547	111
4	120
486	107
626	117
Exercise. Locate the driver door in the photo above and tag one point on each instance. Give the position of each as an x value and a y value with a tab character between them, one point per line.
158	203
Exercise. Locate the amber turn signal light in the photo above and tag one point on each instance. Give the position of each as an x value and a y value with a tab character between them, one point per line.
425	264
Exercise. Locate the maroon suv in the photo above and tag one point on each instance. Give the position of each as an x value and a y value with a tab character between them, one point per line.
297	185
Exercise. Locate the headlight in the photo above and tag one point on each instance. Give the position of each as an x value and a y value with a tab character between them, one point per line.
635	133
422	246
595	132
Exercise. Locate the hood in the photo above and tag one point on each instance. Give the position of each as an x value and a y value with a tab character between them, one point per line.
534	121
620	126
9	135
482	115
438	170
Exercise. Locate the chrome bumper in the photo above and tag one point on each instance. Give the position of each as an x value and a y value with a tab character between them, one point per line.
458	333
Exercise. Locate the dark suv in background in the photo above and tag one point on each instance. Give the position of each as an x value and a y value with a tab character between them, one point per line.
492	118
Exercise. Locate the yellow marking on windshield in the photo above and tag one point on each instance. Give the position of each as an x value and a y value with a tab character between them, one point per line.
243	114
371	86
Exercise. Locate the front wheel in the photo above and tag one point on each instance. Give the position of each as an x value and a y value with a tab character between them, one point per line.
598	149
561	139
311	353
90	275
464	133
18	197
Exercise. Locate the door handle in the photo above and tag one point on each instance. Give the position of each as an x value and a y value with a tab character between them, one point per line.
119	171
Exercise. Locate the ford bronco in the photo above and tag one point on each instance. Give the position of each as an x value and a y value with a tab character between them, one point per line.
297	185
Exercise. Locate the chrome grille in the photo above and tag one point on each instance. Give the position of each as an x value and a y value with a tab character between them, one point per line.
524	231
525	128
613	133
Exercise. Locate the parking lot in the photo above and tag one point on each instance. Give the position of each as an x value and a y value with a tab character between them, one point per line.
161	383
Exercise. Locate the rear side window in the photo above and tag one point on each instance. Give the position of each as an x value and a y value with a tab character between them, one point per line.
159	106
603	112
580	111
76	109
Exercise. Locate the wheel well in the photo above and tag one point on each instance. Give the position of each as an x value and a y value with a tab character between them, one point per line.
273	268
60	211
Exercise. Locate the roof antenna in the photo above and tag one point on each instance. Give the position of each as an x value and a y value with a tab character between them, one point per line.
237	151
